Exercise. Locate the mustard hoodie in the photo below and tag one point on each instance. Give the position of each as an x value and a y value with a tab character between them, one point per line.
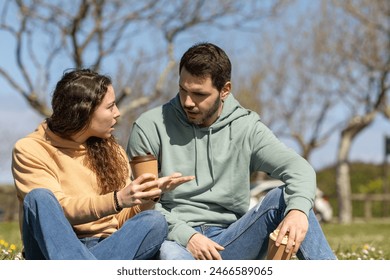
44	160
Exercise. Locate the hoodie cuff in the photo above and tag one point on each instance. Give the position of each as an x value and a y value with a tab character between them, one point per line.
299	203
182	234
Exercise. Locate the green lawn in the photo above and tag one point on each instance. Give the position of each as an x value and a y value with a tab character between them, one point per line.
10	243
360	240
9	231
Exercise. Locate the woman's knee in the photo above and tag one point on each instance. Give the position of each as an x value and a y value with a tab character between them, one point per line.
154	219
38	196
157	219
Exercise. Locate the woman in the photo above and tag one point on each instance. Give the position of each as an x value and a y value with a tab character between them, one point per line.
73	181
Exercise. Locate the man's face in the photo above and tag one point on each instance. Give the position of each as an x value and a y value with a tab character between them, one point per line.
201	101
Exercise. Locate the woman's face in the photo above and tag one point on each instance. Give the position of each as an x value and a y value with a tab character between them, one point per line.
104	117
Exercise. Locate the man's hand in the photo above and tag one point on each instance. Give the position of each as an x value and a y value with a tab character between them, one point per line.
171	182
295	224
203	248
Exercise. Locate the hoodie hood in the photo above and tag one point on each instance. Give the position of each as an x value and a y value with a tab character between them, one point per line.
70	147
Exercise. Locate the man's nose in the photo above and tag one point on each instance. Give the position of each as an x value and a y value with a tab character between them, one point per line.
188	102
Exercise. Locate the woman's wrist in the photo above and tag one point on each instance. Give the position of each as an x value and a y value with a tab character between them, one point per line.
117	202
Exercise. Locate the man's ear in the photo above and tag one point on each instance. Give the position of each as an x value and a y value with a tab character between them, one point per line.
226	90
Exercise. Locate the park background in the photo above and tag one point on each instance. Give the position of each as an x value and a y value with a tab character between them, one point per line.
317	72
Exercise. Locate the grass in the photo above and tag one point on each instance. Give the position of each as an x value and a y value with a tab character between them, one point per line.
10	243
360	240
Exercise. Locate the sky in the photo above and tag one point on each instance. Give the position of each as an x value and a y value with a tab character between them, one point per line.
17	119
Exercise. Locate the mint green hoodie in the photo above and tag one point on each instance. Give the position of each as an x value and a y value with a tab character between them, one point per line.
222	157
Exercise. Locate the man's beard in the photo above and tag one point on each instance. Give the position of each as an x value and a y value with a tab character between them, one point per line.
209	114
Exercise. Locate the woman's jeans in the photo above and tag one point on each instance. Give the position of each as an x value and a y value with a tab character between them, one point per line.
47	234
247	238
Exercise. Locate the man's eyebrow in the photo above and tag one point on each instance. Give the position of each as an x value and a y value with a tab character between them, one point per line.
194	91
180	86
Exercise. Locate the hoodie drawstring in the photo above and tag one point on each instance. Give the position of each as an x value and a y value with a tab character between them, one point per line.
210	156
196	156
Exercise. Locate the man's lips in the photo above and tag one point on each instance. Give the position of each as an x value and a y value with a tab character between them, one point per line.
191	113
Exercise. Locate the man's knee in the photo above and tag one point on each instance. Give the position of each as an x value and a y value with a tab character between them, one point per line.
170	250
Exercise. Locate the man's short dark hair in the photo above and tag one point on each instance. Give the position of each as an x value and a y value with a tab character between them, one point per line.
207	60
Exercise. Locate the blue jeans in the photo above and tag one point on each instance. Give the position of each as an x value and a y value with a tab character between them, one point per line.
247	238
47	234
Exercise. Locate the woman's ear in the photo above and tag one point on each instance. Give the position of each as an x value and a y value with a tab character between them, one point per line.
226	90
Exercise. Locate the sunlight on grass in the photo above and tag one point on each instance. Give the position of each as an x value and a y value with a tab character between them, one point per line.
365	252
9	251
359	241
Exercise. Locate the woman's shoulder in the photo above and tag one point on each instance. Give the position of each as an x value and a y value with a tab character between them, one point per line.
33	143
29	145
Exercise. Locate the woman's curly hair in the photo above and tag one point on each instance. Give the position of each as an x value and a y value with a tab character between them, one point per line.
110	165
76	97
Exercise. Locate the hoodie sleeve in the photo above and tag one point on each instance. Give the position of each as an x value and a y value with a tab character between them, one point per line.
280	162
179	230
33	167
139	144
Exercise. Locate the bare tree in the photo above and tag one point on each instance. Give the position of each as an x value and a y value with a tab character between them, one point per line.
94	33
336	63
361	46
289	82
132	40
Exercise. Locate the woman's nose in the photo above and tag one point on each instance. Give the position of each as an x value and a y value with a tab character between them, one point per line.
117	113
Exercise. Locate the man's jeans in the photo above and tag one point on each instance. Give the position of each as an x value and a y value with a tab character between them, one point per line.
247	238
47	234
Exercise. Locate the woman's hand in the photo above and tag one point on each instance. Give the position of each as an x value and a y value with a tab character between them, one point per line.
144	189
140	191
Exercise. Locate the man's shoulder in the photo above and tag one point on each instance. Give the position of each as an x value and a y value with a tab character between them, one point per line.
249	117
151	114
157	114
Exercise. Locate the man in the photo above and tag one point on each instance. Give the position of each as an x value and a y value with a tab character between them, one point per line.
204	131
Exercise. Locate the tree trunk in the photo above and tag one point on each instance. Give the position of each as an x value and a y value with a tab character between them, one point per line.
343	182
